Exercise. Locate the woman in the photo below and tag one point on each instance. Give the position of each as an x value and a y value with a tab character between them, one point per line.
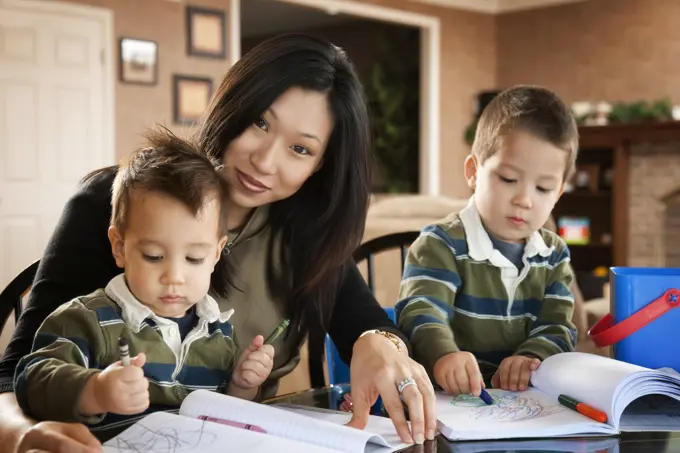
290	125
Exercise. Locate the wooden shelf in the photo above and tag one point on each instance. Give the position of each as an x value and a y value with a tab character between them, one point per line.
586	246
587	194
613	135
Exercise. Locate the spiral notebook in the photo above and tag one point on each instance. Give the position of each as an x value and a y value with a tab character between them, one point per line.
634	399
206	423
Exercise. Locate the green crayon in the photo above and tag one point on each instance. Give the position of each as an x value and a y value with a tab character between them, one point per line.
278	331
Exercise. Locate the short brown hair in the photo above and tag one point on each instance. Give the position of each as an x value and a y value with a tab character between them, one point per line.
532	109
171	166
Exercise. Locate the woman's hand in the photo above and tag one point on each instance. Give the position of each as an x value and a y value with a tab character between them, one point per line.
58	437
377	368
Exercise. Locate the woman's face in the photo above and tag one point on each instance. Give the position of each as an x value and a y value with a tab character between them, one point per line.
274	156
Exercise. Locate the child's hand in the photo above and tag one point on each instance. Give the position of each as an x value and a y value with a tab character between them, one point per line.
458	373
515	372
254	365
118	389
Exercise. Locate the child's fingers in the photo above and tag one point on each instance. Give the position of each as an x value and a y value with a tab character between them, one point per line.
258	368
514	373
525	375
139	360
130	374
451	386
257	342
535	363
253	378
462	381
504	374
261	357
474	378
496	381
138	386
268	349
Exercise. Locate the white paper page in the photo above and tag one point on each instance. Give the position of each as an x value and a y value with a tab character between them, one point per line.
162	432
588	378
382	426
278	422
513	415
594	445
652	413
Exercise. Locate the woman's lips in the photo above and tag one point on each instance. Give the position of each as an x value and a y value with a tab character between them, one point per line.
251	184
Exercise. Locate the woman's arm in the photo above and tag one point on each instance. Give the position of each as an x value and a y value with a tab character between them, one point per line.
19	434
77	261
356	311
377	366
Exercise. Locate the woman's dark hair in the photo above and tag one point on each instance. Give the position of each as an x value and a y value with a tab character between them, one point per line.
322	224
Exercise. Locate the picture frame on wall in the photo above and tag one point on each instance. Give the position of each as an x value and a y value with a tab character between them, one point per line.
191	96
206	32
138	61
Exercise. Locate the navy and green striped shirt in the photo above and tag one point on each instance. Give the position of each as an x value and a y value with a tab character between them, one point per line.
459	293
81	338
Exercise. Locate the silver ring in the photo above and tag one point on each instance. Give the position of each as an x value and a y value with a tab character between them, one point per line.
405	383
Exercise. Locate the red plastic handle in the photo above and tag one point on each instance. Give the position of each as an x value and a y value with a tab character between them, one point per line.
606	333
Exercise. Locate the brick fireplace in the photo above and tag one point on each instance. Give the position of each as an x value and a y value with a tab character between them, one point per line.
654	204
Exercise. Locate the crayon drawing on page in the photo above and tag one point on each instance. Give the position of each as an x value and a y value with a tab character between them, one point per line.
169	439
506	407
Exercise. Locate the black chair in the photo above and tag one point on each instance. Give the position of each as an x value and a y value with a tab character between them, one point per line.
11	296
365	252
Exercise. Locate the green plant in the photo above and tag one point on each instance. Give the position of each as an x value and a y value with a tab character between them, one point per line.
470	132
660	110
391	86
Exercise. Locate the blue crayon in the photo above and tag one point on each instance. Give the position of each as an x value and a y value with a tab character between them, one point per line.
486	397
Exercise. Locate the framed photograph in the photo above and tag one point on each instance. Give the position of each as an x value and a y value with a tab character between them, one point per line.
191	96
138	61
206	32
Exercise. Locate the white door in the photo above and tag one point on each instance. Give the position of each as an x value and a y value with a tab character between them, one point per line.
55	121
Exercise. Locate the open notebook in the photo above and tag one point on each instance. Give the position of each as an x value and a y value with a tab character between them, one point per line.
198	428
605	384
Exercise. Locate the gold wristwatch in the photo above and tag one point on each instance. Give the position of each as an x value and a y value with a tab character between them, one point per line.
396	341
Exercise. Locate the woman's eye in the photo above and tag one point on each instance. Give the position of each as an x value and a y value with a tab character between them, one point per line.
195	260
152	258
261	123
507	180
300	149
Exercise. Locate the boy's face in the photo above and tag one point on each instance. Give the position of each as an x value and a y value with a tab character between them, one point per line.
517	188
168	254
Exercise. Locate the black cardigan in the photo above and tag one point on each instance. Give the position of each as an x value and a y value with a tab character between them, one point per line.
78	260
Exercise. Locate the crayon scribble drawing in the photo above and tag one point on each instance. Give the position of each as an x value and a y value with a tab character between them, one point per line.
506	407
163	440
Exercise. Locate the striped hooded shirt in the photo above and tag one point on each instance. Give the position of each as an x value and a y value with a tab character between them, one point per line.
459	293
81	337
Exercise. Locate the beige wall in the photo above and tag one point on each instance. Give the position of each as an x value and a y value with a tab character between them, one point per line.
596	50
468	65
604	49
139	106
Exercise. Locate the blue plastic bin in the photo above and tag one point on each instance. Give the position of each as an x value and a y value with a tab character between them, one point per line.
654	345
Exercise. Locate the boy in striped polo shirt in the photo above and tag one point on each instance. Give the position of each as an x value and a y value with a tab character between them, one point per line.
168	229
485	293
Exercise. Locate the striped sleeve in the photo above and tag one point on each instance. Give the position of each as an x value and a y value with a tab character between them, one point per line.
49	381
553	331
426	296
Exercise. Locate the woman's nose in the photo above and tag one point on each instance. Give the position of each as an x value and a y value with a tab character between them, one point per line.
264	160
